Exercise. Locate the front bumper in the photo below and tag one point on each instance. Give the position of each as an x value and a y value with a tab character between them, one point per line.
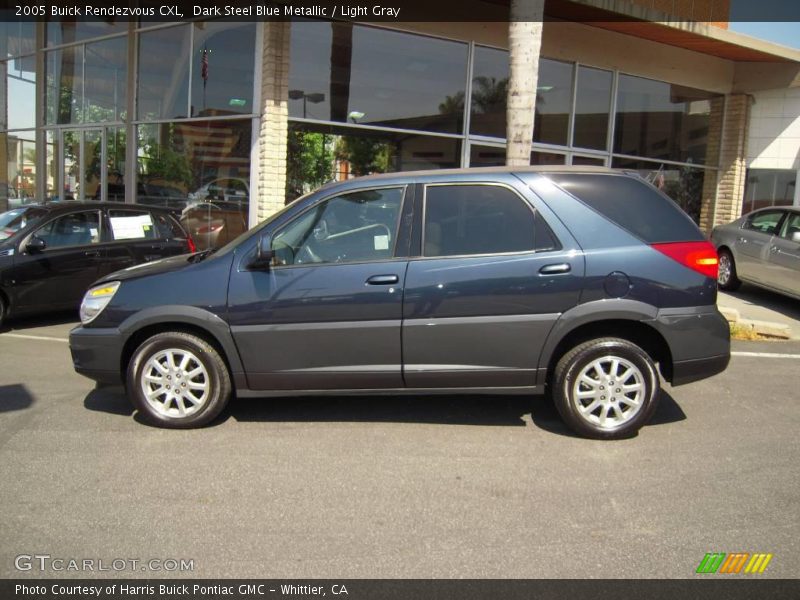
699	341
97	353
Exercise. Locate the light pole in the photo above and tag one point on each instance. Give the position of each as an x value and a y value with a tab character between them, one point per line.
313	97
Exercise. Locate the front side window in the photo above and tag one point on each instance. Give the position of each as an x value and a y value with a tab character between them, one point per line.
476	219
74	229
355	227
764	222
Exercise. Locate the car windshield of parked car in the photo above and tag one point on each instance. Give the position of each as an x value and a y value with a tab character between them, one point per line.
14	220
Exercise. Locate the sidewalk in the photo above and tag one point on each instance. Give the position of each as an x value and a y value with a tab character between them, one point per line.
766	312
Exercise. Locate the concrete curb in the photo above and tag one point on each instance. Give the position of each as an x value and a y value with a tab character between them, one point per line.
767	329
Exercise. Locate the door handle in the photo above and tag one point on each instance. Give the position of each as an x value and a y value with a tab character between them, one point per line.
556	269
383	280
773	249
743	240
94	253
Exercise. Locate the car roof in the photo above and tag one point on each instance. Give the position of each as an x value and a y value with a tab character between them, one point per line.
70	205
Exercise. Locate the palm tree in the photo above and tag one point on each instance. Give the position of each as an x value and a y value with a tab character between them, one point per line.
524	42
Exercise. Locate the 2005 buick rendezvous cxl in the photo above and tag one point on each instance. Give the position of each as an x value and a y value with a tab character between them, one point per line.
500	280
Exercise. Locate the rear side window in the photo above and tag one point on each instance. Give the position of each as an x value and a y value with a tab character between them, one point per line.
480	219
632	204
132	224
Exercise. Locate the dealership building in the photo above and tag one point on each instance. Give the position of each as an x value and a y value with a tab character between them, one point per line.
256	113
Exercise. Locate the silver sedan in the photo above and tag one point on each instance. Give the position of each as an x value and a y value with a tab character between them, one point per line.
762	248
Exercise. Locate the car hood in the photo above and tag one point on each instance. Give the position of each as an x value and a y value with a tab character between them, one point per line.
163	265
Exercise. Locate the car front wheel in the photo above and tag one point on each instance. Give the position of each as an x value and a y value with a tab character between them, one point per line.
726	275
178	380
606	388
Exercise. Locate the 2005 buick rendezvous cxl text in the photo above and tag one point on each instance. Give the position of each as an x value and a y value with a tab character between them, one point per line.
574	280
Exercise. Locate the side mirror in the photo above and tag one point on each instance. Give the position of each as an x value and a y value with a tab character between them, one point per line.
796	237
35	244
264	254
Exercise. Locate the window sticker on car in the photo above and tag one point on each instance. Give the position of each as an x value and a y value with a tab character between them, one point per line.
132	227
381	242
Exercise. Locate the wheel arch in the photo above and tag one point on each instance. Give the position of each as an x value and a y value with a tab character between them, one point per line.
631	322
194	321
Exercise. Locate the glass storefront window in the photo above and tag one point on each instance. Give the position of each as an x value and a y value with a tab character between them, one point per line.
553	102
489	89
224	63
548	158
17	169
17	38
67	32
663	121
681	183
345	73
486	156
201	168
87	83
768	187
163	85
318	154
592	107
592	161
18	93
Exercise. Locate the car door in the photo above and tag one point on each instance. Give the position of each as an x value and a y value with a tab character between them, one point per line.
57	274
489	284
327	314
138	235
752	245
784	255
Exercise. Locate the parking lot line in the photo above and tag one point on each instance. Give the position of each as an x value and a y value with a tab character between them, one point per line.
34	337
765	354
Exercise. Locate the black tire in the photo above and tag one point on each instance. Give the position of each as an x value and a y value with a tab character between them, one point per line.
628	410
200	397
726	277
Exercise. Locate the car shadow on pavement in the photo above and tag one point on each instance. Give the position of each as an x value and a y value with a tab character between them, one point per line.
435	409
483	410
15	397
23	323
757	296
109	399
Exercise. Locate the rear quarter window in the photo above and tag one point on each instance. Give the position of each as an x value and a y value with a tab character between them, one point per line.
633	204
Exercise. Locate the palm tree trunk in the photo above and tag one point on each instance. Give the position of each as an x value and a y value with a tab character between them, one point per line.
525	40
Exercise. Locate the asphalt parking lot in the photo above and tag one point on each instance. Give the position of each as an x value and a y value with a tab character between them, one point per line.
431	487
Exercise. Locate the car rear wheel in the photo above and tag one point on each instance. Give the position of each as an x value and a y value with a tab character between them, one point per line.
606	388
726	275
178	380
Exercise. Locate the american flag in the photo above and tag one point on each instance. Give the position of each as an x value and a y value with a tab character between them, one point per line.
204	67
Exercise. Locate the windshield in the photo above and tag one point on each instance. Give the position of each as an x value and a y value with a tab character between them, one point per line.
14	220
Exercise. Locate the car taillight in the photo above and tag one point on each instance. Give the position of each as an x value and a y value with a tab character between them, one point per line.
191	244
699	256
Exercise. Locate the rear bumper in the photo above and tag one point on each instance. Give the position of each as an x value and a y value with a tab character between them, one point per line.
97	353
687	371
699	340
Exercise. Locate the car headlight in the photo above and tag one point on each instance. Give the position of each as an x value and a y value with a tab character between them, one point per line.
96	299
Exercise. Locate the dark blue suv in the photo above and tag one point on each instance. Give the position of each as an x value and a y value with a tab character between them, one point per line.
581	281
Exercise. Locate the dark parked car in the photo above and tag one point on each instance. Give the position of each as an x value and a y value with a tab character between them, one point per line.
576	280
762	248
51	253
